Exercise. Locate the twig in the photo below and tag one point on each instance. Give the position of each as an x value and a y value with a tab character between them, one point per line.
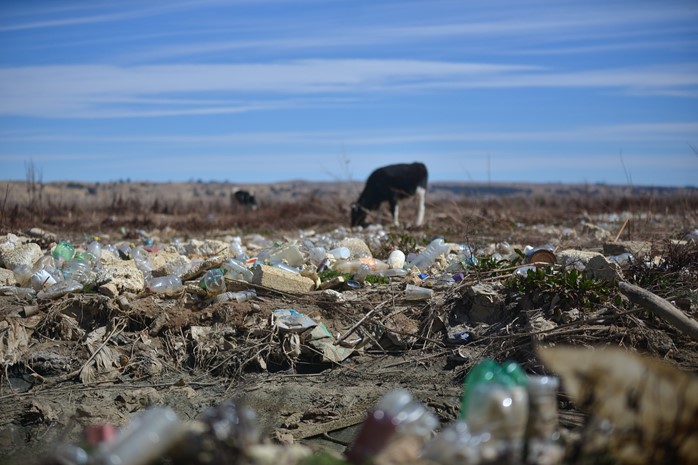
356	326
622	228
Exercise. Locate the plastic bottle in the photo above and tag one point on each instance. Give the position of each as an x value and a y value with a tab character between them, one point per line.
166	285
63	251
426	258
240	296
316	255
622	260
23	274
495	401
42	279
60	289
395	413
288	253
146	438
95	248
78	270
361	272
237	270
21	292
542	428
237	250
340	253
213	281
351	266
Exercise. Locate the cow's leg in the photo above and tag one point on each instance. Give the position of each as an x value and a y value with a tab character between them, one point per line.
421	197
395	210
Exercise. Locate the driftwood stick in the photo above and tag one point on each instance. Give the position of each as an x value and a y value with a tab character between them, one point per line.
660	307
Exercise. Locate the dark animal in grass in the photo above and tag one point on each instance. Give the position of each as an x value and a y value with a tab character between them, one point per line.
390	184
245	198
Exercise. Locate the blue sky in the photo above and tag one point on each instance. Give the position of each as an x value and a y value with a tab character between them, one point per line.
262	91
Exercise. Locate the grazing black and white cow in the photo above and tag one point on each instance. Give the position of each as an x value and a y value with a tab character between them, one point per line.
245	198
390	184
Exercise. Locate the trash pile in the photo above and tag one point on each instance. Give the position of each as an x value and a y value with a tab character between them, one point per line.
506	417
134	306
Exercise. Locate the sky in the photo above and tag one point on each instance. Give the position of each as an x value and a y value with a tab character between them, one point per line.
262	91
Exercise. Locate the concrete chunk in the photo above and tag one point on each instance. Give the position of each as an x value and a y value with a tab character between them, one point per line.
576	259
124	275
281	280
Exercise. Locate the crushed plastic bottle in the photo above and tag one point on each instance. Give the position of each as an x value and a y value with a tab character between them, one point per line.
426	257
456	445
213	281
23	274
60	289
166	285
42	279
20	292
397	412
240	296
623	260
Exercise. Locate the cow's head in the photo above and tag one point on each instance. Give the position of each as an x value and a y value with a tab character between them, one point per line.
358	215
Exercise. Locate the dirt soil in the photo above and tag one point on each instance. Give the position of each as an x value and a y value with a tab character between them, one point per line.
190	353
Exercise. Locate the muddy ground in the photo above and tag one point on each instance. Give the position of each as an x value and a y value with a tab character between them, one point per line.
190	354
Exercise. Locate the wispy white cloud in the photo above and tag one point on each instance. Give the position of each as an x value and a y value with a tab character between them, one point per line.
664	131
87	91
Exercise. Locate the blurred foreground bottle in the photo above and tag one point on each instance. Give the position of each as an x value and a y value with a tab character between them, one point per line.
397	412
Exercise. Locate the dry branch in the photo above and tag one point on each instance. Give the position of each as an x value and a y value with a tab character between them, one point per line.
660	307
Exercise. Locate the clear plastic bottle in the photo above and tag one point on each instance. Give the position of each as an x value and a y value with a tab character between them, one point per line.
237	249
23	274
542	427
351	266
78	270
146	438
237	270
240	296
397	412
166	285
60	289
495	401
426	257
213	281
316	255
42	279
340	253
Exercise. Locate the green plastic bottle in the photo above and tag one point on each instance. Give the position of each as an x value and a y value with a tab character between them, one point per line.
63	251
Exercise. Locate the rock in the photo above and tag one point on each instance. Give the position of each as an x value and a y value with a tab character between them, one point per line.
167	262
281	280
7	278
602	268
21	254
577	259
109	290
330	295
639	249
207	248
486	304
356	246
124	275
44	235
